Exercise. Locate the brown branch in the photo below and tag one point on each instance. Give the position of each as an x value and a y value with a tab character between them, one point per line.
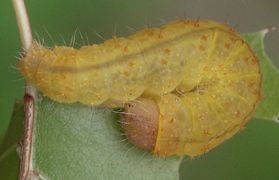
30	93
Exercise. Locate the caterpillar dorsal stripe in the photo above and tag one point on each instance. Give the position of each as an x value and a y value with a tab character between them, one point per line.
200	79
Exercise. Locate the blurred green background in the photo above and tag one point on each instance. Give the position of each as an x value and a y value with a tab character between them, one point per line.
252	154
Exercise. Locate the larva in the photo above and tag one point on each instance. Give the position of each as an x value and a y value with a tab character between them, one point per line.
188	85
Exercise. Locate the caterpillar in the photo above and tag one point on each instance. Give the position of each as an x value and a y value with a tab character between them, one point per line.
185	87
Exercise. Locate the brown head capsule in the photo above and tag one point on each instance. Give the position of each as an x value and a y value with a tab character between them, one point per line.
140	123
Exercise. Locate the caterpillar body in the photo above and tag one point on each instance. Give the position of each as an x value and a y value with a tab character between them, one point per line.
188	85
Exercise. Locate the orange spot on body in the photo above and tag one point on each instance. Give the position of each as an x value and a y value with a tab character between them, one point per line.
116	42
221	66
202	48
246	59
231	29
204	37
126	49
205	147
164	62
227	45
160	35
206	132
242	126
131	64
255	61
233	39
167	51
149	32
237	114
126	73
196	24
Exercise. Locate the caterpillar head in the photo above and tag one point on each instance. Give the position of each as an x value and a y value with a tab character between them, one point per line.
140	123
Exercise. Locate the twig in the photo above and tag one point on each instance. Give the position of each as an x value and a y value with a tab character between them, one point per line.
23	23
30	93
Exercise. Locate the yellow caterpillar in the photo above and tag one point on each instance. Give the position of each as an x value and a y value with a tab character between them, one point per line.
198	80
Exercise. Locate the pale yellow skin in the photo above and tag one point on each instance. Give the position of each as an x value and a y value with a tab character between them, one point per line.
204	78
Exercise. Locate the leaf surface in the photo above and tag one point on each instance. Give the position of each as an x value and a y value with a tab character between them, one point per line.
269	107
9	160
73	141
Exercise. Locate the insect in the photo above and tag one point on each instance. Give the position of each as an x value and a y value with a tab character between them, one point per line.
187	86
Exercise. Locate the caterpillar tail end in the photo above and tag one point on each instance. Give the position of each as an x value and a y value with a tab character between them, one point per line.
140	123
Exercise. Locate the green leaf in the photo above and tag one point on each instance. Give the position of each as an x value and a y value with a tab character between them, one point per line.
73	141
269	107
9	160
